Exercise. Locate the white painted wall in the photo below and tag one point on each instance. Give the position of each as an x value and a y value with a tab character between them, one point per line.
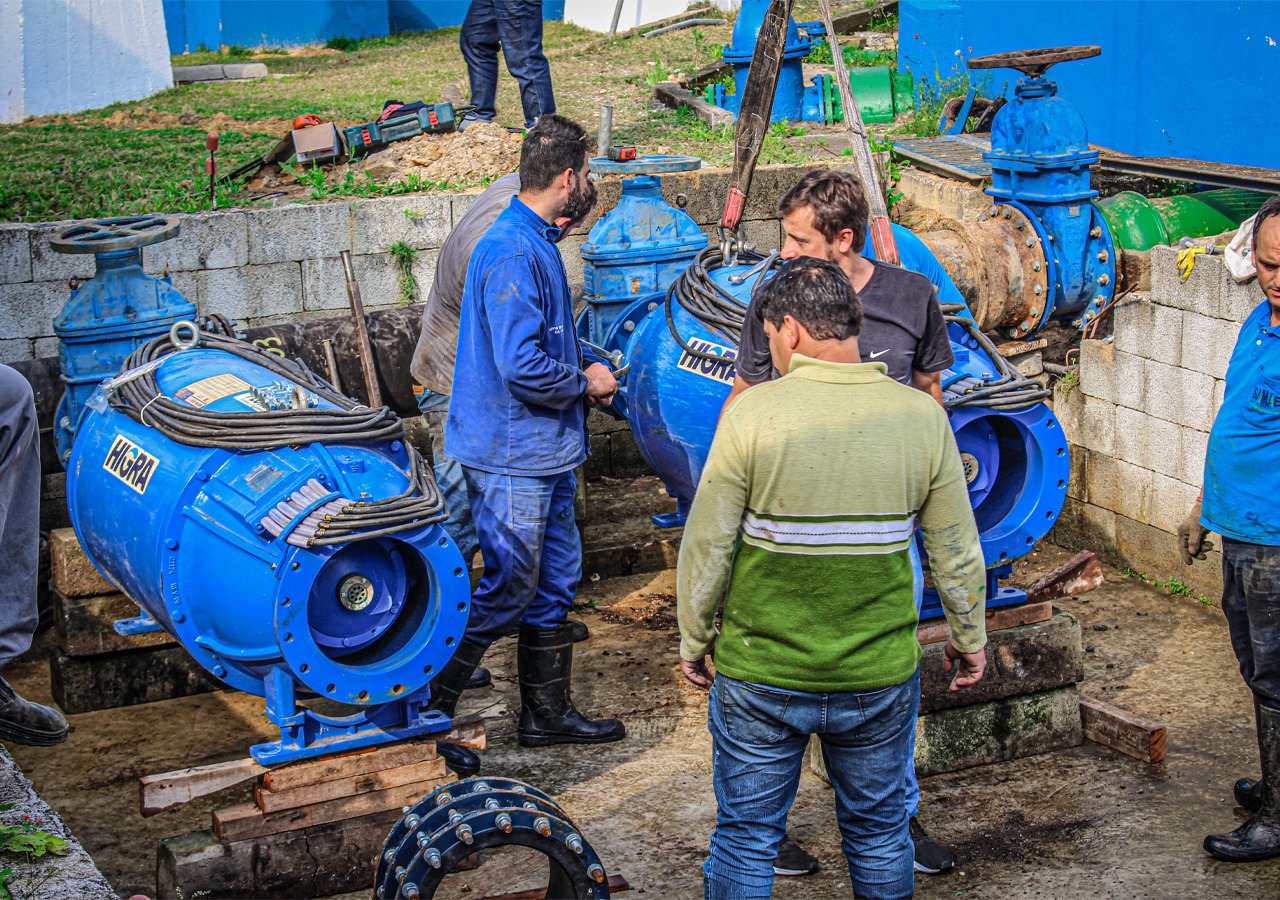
82	54
598	14
10	60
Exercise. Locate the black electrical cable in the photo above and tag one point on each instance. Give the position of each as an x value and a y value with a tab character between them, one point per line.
141	399
1011	391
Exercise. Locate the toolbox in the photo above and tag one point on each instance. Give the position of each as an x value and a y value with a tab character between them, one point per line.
436	119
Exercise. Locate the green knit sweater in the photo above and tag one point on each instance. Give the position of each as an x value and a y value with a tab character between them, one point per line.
806	510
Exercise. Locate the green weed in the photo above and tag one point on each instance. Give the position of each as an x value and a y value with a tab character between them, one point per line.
27	838
1177	588
345	44
1070	381
403	255
657	72
312	177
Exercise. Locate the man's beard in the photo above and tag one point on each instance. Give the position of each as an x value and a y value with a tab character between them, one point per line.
579	203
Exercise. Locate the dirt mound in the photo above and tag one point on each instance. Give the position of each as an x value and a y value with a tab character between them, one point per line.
484	150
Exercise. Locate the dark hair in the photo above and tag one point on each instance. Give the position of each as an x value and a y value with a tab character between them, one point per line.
550	147
1268	209
837	202
817	294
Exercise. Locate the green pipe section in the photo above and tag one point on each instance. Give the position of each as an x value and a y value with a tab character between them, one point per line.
1140	223
882	93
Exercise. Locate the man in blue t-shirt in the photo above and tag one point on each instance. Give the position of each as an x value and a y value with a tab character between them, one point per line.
1239	501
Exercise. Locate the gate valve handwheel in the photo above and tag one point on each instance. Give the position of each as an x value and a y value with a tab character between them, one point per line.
1033	62
647	164
112	235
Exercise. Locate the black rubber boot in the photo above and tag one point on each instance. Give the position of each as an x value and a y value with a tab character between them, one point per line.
547	713
464	761
479	678
580	632
453	679
1258	838
24	722
1247	791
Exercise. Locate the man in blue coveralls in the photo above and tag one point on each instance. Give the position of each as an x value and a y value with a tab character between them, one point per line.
517	423
825	216
1239	502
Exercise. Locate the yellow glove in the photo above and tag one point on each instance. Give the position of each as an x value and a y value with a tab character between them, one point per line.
1187	260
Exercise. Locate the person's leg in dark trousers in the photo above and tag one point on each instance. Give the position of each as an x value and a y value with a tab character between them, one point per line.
479	42
1251	603
20	721
520	31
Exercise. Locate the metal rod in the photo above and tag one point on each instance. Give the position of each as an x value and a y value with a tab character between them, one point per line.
331	360
617	14
688	23
367	366
604	137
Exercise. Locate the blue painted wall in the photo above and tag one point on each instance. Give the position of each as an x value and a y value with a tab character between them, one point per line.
290	23
1190	79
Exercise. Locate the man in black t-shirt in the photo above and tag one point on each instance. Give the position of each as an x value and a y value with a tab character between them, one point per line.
825	216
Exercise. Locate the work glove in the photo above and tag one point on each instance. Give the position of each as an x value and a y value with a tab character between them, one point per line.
1187	257
1191	536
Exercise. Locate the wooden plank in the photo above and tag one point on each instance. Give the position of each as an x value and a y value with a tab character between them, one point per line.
936	630
1120	730
274	801
161	792
245	820
704	75
617	884
1078	575
856	20
88	683
84	625
673	95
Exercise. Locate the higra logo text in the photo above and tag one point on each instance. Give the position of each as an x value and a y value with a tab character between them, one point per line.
720	369
130	463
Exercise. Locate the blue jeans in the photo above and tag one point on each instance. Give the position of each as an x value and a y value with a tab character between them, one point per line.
516	26
448	472
19	514
1251	602
758	737
532	552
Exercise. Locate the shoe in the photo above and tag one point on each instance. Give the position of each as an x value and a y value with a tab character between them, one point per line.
463	761
24	722
932	856
1249	794
479	678
794	859
580	632
1258	838
547	713
453	679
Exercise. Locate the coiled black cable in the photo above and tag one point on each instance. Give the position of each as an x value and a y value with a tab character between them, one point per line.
1010	391
141	399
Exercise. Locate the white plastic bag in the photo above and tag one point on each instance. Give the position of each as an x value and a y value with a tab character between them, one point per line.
1239	253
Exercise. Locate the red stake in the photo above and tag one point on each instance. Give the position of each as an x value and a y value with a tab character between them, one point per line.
211	167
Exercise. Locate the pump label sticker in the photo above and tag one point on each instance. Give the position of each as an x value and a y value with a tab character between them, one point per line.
208	390
716	369
131	464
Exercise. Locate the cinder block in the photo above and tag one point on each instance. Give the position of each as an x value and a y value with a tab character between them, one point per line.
459	205
1219	393
73	574
1099	432
45	346
1078	479
1153	551
1201	293
1171	499
765	234
1148	442
324	282
49	265
213	240
251	291
420	221
947	197
1130	380
1207	344
1182	396
298	232
1238	300
84	684
185	284
15	350
28	309
571	254
1068	406
15	254
1083	526
1195	446
424	271
702	192
1120	486
1098	370
1148	330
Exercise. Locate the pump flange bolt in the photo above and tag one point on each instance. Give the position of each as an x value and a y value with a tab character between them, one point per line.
1095	231
410	892
542	826
596	871
1104	280
411	822
1103	257
994	211
1008	213
574	843
503	821
464	834
1030	242
1039	290
432	857
1035	266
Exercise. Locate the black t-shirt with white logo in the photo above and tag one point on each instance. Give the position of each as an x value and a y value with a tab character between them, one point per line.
902	327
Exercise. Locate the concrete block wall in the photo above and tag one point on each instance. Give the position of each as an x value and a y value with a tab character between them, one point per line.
1138	421
264	266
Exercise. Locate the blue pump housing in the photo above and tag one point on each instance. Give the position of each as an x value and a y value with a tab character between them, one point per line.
104	321
1040	159
179	529
792	101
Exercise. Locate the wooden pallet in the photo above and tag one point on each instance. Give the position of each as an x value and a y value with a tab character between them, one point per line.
348	801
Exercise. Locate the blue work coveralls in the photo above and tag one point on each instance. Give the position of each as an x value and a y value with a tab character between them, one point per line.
517	424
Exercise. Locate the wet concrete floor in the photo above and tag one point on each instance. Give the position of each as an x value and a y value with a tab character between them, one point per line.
1086	822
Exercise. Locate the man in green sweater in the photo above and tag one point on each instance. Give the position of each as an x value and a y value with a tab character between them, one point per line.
803	522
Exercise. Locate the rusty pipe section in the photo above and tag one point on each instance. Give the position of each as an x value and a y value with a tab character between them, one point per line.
998	265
